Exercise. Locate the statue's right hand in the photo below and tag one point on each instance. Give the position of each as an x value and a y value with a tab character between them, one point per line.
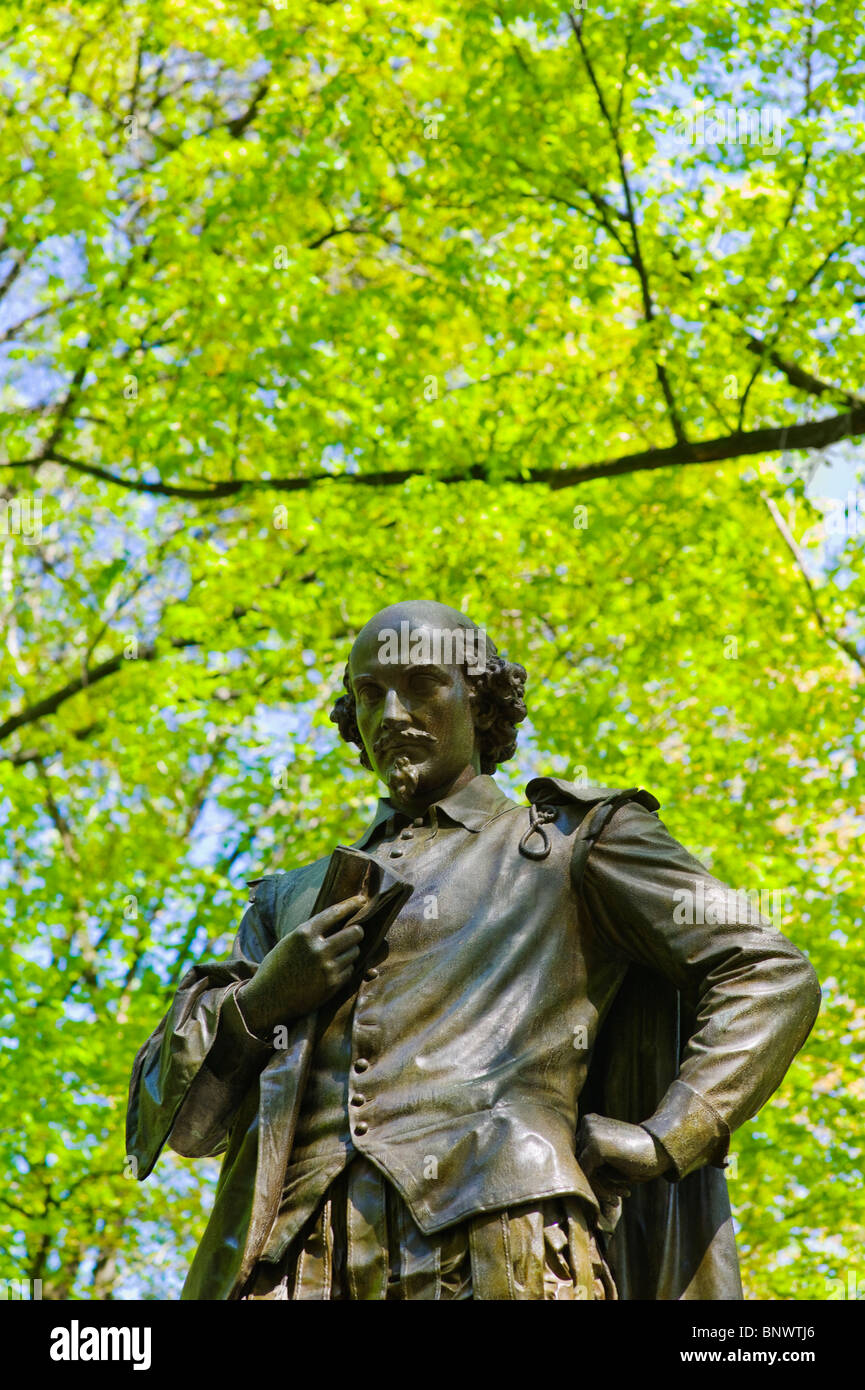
302	970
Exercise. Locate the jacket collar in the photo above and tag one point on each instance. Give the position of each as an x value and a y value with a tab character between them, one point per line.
473	806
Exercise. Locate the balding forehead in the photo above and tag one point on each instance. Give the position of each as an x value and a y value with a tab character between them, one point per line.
417	612
391	641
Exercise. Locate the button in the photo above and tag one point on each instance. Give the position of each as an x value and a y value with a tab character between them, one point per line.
361	1064
361	1128
406	835
371	974
396	854
358	1100
418	821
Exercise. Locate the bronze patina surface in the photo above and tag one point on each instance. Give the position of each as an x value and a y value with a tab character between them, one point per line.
506	1066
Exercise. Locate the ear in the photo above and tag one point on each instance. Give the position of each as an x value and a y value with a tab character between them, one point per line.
482	718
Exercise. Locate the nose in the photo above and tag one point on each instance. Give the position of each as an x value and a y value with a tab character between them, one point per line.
394	714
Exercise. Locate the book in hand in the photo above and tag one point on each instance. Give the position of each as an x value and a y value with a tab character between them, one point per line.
351	872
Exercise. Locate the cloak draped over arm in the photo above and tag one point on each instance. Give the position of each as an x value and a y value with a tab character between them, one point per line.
191	1075
700	1034
752	995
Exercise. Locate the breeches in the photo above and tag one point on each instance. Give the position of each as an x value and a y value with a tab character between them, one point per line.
362	1243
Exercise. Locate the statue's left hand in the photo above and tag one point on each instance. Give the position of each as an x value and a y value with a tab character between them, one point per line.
613	1154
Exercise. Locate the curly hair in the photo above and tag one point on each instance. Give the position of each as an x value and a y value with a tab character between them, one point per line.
496	694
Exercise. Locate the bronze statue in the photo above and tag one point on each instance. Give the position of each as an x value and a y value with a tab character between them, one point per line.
485	1052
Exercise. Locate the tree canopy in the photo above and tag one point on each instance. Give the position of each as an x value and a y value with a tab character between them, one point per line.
306	308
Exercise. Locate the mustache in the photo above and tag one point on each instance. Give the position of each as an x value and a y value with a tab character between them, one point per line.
387	741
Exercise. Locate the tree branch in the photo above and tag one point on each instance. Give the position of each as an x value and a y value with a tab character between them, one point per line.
636	258
772	439
93	675
841	643
89	677
783	315
239	124
800	378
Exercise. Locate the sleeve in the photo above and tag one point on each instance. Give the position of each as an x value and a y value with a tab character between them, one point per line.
192	1073
752	995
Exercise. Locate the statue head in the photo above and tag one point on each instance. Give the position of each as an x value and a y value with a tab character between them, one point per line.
428	700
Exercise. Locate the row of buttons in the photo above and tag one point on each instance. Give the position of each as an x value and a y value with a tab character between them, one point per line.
396	852
362	1065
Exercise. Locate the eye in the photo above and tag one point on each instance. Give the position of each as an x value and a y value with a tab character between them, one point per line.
422	680
367	694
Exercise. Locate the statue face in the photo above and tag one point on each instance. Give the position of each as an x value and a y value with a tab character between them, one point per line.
414	716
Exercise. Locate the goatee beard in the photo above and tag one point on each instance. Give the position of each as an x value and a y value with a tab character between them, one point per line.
403	778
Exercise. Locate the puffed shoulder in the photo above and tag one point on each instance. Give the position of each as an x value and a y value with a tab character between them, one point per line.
555	790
